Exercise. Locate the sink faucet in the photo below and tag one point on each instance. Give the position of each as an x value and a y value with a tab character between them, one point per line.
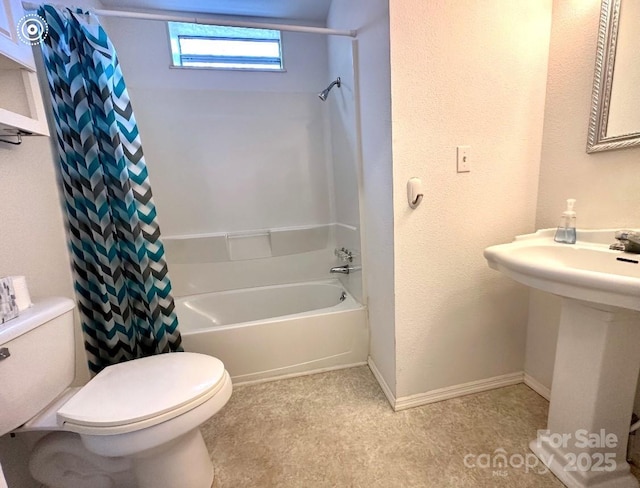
628	241
346	269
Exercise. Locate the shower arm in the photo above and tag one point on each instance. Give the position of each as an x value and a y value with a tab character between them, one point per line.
337	81
325	93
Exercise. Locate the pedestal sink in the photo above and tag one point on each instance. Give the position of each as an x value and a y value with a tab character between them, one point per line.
598	351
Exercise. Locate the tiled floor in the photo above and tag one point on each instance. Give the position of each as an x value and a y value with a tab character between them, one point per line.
336	429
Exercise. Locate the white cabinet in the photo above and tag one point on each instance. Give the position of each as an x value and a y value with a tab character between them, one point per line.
21	107
10	45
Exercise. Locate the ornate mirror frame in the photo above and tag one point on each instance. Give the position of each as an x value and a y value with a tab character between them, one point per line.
602	82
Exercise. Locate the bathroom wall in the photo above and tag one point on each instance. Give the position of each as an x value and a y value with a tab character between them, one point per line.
33	241
463	73
371	19
605	184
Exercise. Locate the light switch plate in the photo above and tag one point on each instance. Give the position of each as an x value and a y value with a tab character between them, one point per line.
464	159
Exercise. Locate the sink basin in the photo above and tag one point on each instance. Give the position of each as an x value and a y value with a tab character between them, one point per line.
587	270
597	355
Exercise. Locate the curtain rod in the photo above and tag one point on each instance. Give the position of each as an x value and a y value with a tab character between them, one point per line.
211	21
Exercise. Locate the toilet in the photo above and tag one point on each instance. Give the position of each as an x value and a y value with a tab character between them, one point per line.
134	425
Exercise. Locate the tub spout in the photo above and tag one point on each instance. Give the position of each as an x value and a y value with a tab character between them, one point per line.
346	269
340	269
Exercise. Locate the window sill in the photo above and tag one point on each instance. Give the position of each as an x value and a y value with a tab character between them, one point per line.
212	68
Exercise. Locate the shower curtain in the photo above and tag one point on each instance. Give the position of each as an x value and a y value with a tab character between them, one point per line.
121	281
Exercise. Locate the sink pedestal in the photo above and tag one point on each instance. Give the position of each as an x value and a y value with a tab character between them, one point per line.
594	384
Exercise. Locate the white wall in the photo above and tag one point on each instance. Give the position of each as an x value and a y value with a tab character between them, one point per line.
345	155
463	73
371	19
33	241
227	150
605	184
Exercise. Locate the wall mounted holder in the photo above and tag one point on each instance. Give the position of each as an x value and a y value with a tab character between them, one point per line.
414	192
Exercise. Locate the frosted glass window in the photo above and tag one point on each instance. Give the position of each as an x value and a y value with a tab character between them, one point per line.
214	46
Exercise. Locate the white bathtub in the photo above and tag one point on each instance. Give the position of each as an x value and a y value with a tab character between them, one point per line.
273	331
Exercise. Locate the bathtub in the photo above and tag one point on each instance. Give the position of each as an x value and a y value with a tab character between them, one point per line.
275	331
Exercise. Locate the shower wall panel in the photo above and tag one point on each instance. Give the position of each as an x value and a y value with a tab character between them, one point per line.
230	151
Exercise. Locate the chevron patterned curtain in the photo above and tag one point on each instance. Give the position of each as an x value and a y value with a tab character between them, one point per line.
120	273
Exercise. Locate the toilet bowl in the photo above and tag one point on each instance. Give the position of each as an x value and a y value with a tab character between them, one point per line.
60	459
134	425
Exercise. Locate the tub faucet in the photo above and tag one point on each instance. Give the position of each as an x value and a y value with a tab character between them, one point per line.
628	241
345	269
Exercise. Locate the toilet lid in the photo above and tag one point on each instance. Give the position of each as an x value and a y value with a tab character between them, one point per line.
142	388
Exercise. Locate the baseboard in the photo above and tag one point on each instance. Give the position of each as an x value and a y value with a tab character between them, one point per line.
433	396
383	384
455	391
536	386
238	383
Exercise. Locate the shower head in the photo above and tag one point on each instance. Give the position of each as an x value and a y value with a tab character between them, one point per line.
324	93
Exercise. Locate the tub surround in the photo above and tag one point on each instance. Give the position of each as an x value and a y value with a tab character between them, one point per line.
265	193
229	261
251	151
248	244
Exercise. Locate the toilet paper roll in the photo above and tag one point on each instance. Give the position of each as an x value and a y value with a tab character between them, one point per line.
21	291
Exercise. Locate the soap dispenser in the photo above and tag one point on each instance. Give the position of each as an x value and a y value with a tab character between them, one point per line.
566	232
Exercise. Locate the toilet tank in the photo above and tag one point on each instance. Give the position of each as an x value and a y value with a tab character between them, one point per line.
40	362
